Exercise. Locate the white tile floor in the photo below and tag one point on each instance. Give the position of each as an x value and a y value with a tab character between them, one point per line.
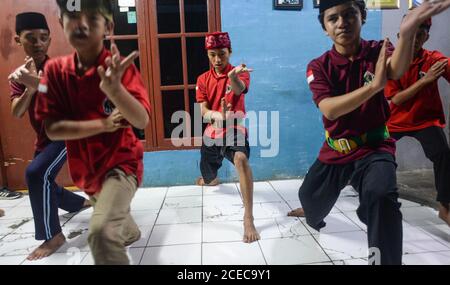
193	226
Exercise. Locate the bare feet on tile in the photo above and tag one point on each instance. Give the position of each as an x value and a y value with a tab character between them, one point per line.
48	247
201	182
299	213
250	232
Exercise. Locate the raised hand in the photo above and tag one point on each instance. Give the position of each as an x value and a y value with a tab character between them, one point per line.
238	70
111	78
380	79
418	15
26	75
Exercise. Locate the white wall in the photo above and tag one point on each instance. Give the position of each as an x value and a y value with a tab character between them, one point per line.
409	152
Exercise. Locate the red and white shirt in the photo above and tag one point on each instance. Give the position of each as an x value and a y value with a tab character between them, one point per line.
66	96
211	88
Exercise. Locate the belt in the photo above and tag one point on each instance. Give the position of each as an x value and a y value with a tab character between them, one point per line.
347	145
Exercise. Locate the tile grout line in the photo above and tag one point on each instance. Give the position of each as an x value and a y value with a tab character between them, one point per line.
310	234
153	227
201	238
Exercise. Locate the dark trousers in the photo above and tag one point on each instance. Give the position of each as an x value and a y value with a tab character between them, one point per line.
45	195
213	152
374	177
435	145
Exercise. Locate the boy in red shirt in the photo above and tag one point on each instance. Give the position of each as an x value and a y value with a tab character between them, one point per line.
416	111
45	195
90	99
347	83
221	93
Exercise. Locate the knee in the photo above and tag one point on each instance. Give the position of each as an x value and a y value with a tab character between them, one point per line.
100	233
34	173
382	194
241	161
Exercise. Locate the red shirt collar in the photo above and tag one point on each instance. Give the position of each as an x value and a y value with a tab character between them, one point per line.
224	73
339	59
71	66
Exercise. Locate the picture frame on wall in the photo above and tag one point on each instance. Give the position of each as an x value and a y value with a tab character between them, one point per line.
288	4
383	4
316	3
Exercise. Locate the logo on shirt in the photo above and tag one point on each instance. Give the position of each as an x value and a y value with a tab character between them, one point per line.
108	107
368	77
228	89
310	76
43	88
422	74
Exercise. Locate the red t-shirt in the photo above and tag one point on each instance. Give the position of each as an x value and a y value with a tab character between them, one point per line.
67	96
425	108
17	91
335	75
212	88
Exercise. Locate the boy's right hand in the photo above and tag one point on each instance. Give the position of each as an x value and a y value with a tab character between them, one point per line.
417	16
26	75
114	122
436	71
380	79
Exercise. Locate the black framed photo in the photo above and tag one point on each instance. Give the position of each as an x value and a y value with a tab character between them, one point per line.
316	3
287	4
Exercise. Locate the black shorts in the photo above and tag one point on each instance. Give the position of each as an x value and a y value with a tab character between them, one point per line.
214	151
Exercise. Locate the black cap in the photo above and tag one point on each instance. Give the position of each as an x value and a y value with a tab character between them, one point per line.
327	4
30	21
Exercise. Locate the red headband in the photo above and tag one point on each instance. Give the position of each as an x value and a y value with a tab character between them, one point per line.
217	40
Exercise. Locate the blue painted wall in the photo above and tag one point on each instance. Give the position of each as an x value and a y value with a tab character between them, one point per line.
278	45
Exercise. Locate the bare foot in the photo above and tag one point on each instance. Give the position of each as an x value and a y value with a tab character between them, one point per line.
299	213
201	182
48	247
2	213
250	232
444	214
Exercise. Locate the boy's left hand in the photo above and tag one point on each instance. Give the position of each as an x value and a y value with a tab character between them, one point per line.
111	78
238	70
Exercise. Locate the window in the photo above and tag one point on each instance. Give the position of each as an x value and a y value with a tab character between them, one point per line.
177	32
169	35
126	35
